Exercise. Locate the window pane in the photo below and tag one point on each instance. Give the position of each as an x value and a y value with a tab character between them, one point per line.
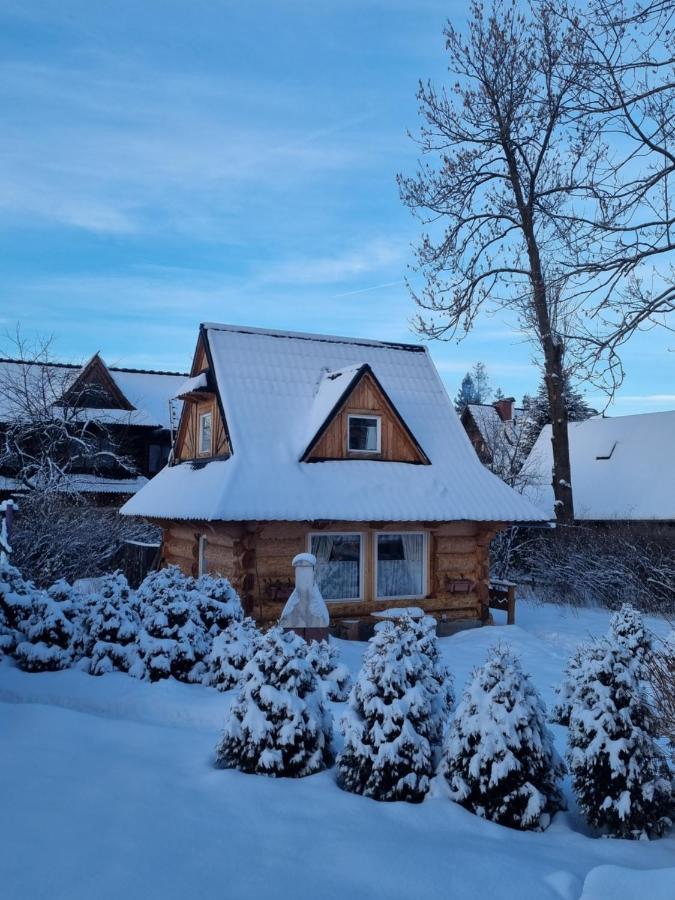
338	563
362	434
205	433
400	565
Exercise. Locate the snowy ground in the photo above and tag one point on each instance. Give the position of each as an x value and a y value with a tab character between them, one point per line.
107	790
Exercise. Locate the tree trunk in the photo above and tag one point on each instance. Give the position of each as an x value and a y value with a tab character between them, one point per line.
562	469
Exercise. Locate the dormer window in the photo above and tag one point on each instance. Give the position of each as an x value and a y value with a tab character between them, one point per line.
205	432
364	434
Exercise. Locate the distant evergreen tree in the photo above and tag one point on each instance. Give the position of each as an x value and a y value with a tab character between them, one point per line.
467	394
538	411
475	388
498	395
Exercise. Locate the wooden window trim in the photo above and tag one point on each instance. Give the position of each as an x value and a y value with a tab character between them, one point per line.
365	415
362	561
425	566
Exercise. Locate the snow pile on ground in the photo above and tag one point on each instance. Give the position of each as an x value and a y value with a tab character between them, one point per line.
109	789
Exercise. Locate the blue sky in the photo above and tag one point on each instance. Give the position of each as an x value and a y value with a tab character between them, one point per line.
166	163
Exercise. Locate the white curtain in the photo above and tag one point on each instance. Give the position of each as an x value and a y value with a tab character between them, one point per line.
402	577
337	579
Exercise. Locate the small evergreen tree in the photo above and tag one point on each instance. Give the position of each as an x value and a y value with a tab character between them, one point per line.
230	653
627	628
438	679
110	627
217	603
619	773
538	411
499	760
474	388
278	724
387	752
48	637
333	675
15	604
560	714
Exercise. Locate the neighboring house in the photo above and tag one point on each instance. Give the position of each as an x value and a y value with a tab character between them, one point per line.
347	448
130	410
489	425
623	469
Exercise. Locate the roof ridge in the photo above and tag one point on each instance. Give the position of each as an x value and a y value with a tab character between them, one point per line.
65	365
310	336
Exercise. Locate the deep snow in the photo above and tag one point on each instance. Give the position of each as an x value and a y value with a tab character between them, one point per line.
108	790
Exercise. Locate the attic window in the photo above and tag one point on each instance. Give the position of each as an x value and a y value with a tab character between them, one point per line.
364	433
605	454
205	430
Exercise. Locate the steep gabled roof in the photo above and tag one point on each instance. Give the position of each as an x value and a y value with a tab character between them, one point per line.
267	382
622	468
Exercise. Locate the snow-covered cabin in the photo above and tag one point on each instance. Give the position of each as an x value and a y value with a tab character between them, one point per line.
494	428
623	468
135	406
350	449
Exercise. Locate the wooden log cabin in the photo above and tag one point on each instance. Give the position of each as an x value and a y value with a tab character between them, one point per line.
346	448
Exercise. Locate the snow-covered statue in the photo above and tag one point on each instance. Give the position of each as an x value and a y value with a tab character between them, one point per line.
306	611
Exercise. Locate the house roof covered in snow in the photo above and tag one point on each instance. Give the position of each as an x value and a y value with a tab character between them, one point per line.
275	388
622	468
489	422
145	394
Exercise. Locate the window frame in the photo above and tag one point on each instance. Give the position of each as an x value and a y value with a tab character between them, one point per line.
200	418
362	561
425	566
378	422
202	566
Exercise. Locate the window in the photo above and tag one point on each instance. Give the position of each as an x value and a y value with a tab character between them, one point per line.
205	422
401	568
338	565
201	558
364	434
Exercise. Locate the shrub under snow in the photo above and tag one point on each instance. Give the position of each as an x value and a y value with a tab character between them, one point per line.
15	604
619	774
627	628
499	760
110	627
48	637
438	679
333	675
387	753
560	714
230	653
278	724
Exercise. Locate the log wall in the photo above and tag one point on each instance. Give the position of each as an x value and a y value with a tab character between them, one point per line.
256	557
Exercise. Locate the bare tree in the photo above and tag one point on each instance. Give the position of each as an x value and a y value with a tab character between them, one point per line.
511	155
628	89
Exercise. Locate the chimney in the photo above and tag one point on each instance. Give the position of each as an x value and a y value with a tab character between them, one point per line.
505	408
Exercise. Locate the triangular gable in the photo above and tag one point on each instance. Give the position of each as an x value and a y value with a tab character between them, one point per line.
200	394
96	388
351	391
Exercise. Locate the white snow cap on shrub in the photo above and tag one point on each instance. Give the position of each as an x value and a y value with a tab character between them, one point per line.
499	760
387	752
278	724
619	773
333	675
627	628
230	653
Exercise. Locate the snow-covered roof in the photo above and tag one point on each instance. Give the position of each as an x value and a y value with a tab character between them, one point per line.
150	393
198	383
273	390
86	484
622	467
488	421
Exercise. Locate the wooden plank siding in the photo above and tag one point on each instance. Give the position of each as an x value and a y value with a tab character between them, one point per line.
255	555
367	399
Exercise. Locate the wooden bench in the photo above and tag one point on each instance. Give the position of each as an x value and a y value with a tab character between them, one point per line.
502	595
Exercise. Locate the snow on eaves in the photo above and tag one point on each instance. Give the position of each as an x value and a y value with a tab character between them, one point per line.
198	383
274	390
622	468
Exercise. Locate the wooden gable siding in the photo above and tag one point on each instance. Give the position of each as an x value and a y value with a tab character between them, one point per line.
187	440
95	388
367	399
256	557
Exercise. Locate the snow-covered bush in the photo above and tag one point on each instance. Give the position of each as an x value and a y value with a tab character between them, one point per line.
387	752
619	774
499	760
278	724
217	603
627	628
174	641
15	604
230	652
48	637
562	708
438	679
110	626
333	675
